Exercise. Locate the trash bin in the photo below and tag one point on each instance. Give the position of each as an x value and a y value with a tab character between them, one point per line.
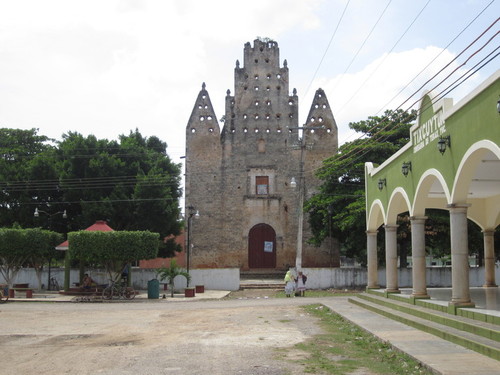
153	289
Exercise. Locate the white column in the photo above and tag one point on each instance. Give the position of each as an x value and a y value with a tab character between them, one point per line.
391	259
371	259
460	293
489	258
418	257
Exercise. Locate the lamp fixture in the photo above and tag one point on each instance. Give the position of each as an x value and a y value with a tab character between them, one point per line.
406	168
443	143
381	183
293	182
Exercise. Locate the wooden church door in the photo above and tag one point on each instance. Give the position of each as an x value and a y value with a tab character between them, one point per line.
262	247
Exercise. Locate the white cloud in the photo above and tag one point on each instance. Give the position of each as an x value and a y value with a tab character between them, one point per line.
386	83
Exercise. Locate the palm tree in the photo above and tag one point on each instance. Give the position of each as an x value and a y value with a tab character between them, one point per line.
171	272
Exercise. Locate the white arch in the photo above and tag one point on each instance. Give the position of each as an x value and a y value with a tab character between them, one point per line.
468	166
398	202
483	209
376	216
423	195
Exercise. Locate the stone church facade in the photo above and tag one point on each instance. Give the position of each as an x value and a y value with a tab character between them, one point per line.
239	177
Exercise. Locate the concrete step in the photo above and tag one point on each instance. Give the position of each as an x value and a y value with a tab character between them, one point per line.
276	286
481	337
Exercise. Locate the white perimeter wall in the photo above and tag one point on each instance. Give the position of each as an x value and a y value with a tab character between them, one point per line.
229	278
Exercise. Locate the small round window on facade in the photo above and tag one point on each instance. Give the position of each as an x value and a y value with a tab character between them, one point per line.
210	130
244	117
245	130
193	130
202	118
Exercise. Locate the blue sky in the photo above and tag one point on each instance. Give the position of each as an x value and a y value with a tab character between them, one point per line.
108	67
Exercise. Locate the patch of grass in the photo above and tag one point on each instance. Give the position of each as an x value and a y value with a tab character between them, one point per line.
345	348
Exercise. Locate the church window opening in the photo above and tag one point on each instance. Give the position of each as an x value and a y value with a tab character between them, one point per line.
203	96
245	130
233	130
268	76
267	61
279	130
256	61
256	88
256	77
268	88
202	118
313	119
320	119
268	116
278	88
193	130
316	106
278	76
244	117
256	117
209	118
290	102
290	115
210	130
268	130
278	116
268	102
256	130
245	88
262	185
256	103
324	106
328	130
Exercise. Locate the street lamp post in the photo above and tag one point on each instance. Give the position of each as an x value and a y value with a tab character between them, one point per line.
302	192
49	215
191	212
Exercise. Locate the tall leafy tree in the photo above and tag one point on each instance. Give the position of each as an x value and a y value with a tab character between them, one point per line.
24	157
132	183
341	194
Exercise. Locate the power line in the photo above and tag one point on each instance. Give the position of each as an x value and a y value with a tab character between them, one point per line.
327	48
362	44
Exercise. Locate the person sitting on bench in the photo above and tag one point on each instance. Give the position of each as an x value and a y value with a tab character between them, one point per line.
87	282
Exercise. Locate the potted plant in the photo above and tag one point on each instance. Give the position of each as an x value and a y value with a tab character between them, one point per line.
169	273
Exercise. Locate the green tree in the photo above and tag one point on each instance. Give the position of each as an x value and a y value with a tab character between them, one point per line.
22	161
42	245
169	273
113	250
19	247
132	183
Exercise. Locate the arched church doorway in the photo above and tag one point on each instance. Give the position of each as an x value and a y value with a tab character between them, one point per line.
262	247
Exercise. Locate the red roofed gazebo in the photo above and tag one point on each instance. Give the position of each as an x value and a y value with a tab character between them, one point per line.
98	226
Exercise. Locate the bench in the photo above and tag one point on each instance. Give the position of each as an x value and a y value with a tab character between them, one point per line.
29	292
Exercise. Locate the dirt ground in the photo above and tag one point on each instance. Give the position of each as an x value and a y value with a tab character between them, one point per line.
243	334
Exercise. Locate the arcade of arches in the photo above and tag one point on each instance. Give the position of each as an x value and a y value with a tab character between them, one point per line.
452	162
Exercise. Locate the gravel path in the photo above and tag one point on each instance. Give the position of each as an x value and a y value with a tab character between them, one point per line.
242	336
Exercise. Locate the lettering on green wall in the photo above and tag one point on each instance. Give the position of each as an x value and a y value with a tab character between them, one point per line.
428	131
